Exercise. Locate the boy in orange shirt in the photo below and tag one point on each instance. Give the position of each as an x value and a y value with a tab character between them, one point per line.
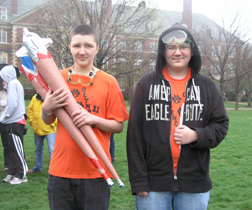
74	183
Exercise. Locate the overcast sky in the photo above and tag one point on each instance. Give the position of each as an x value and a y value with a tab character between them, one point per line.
216	10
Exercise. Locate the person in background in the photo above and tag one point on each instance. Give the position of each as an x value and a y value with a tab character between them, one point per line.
4	137
112	148
41	131
176	117
14	123
74	182
3	101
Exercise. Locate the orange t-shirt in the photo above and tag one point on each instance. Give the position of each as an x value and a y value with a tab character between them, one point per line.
178	88
104	99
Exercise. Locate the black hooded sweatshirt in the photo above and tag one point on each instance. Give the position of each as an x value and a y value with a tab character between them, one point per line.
148	136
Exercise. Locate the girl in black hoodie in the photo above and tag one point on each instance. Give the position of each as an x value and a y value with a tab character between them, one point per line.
176	117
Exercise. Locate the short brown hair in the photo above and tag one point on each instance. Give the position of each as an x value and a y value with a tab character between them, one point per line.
83	30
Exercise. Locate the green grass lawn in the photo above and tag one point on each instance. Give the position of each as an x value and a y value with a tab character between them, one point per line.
230	170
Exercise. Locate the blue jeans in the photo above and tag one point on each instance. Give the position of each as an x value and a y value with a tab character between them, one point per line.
78	194
39	143
173	200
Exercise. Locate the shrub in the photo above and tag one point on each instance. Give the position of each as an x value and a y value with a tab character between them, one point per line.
230	96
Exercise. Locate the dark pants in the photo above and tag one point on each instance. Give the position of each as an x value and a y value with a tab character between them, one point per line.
6	152
112	147
78	194
18	166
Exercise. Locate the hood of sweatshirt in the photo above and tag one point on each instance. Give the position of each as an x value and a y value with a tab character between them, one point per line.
195	62
8	73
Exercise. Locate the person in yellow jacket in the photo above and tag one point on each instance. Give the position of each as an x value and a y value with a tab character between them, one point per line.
41	131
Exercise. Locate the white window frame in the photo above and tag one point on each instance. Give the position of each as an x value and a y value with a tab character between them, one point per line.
138	46
121	61
3	13
3	57
153	46
122	45
138	64
231	71
151	27
3	36
216	51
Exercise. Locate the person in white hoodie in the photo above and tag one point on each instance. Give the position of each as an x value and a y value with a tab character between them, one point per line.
14	121
3	100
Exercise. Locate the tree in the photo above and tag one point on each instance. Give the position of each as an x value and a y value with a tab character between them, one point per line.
221	49
131	66
240	69
117	24
248	66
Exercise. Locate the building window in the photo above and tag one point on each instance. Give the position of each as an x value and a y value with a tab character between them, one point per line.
231	71
3	13
3	57
138	46
232	52
121	61
151	27
153	46
3	36
216	50
122	45
138	64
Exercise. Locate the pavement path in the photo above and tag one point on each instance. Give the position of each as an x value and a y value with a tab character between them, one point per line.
239	109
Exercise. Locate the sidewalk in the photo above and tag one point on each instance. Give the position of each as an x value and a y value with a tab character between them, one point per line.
240	109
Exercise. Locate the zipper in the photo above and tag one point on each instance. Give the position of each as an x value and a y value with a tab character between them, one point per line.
174	174
175	177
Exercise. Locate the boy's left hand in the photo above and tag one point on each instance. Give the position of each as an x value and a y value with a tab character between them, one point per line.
83	117
184	135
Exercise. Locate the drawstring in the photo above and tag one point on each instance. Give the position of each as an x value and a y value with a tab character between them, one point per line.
197	94
166	94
